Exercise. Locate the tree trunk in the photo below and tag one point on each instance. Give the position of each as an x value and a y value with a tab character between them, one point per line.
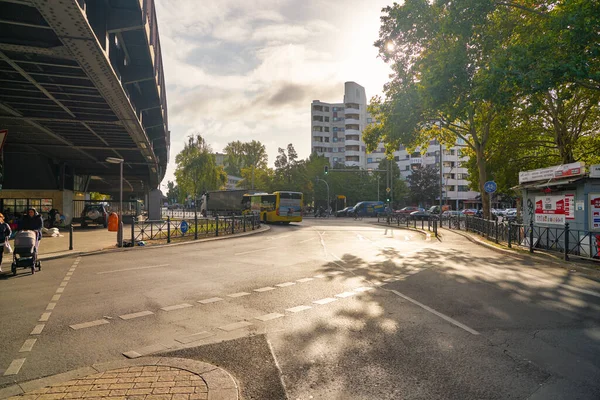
481	167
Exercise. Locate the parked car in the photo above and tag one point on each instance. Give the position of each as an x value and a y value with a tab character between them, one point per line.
421	214
368	208
344	212
469	211
94	214
510	214
407	210
452	214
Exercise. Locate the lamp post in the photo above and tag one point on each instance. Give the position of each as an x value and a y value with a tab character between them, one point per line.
114	160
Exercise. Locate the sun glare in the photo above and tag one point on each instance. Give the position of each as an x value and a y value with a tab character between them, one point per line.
390	46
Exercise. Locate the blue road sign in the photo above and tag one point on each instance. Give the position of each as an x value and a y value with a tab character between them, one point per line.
184	227
490	187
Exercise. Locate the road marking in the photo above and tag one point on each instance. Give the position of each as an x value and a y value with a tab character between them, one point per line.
325	301
67	278
394	279
307	240
240	294
60	290
14	366
38	329
89	324
335	272
337	258
303	280
50	306
69	273
377	283
211	300
264	289
363	289
406	238
285	284
176	307
576	289
268	317
439	314
234	326
360	237
63	284
254	251
132	269
345	294
28	345
136	315
320	276
279	237
298	309
45	316
194	337
56	297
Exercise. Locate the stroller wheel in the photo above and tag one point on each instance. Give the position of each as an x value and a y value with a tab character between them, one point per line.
39	265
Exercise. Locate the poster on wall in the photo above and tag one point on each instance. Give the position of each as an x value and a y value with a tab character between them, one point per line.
594	211
550	210
569	206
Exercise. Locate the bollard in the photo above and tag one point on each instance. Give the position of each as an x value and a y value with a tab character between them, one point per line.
196	224
531	236
133	233
509	236
232	224
244	223
422	224
71	236
496	230
435	227
168	229
567	241
217	225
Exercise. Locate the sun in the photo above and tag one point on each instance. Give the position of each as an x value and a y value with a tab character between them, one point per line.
390	46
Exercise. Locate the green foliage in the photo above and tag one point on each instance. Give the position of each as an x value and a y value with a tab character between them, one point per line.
98	196
173	193
234	158
424	185
196	170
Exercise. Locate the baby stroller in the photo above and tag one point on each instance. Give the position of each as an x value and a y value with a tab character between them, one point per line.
25	252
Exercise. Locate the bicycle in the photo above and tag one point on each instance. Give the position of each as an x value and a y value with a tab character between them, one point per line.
357	216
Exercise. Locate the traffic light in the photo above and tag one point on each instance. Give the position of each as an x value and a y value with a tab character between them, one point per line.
326	169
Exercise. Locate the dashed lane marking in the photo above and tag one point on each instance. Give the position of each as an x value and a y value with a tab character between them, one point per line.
234	326
63	284
363	289
131	269
176	307
14	367
307	240
254	251
240	294
50	306
325	301
60	290
194	337
285	284
89	324
28	345
136	315
264	289
56	297
38	329
211	300
298	309
269	317
67	278
45	316
303	280
345	294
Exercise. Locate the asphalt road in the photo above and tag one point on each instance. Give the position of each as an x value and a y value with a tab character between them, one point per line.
325	309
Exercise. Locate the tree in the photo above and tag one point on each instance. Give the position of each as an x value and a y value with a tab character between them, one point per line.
424	185
98	196
173	193
196	169
235	157
286	164
255	156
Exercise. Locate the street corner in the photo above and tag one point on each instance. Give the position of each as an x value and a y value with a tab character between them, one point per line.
150	378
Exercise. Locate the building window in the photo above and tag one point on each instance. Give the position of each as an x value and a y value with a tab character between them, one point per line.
326	119
326	109
463	188
326	129
407	168
407	156
341	149
335	159
369	120
378	159
369	160
396	158
335	139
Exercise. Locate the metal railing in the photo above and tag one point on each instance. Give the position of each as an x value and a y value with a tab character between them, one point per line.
192	227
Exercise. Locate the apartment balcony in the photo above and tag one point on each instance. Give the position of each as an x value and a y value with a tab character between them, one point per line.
354	153
352	132
351	121
352	142
418	160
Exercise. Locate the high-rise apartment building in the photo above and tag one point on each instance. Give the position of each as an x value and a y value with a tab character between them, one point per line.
336	133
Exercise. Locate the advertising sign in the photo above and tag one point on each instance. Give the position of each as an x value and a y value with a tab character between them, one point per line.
595	171
569	206
290	207
550	210
545	174
594	211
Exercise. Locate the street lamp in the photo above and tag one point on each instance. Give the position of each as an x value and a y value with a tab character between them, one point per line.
114	160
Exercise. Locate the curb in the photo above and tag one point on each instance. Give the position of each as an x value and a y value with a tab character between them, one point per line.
220	384
539	256
427	234
262	229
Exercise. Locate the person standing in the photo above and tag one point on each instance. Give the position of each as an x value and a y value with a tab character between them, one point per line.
32	221
4	236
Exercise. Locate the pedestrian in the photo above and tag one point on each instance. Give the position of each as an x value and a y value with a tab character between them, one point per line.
4	236
32	221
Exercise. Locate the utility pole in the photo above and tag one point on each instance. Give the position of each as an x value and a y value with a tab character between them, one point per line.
441	176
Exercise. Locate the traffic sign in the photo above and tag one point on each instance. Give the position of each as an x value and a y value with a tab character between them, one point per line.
490	187
388	190
184	227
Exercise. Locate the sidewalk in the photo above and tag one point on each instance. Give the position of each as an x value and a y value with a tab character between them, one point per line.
146	378
84	240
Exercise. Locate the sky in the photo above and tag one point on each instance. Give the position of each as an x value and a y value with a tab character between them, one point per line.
249	69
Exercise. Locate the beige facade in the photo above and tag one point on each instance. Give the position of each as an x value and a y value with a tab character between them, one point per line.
42	200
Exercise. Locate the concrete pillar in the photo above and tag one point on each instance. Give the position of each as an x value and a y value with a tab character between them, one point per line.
154	204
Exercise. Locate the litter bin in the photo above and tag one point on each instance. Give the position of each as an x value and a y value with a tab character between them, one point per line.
113	222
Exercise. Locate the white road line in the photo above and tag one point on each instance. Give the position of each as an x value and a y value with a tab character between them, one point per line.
345	294
56	297
67	278
136	315
60	290
63	284
337	258
298	309
264	289
320	276
285	284
14	367
269	317
132	269
307	240
335	272
363	289
69	273
254	251
240	294
439	314
89	324
194	337
211	300
303	280
50	306
45	316
325	301
234	326
38	329
176	307
28	345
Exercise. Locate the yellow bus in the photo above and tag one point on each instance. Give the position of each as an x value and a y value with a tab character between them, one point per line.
282	206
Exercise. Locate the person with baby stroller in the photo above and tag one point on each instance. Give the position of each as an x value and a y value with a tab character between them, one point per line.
27	242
